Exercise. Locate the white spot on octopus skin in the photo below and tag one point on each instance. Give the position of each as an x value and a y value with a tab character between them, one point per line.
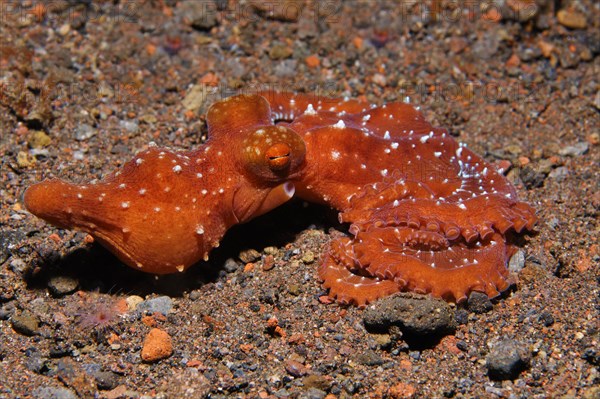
340	125
335	155
125	205
177	168
386	135
139	161
310	110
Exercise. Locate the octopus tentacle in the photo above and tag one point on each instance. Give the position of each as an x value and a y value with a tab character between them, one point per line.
348	287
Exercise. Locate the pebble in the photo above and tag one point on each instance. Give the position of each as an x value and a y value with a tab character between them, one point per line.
62	285
416	315
130	126
559	174
133	301
198	14
84	132
25	323
161	304
280	52
249	255
24	160
231	265
295	368
157	346
195	97
507	359
53	393
517	261
479	303
316	381
308	257
575	150
37	139
571	19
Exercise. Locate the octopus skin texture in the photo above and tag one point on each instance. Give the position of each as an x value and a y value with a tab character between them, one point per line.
426	214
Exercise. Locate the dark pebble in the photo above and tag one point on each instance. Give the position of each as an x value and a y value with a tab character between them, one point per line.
547	319
370	358
25	323
461	316
506	360
532	178
462	345
416	315
231	265
62	285
60	350
34	361
592	356
7	310
106	380
479	303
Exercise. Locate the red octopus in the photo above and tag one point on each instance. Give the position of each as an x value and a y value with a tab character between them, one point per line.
426	214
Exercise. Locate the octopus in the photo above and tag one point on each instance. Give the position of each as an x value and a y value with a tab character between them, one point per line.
425	214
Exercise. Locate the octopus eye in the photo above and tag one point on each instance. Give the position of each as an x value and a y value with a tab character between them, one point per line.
278	156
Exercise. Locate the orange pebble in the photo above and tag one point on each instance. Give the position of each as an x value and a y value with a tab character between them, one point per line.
313	61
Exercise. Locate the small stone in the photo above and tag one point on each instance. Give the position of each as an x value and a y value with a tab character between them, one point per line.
133	301
280	52
295	368
64	29
479	303
199	15
53	393
195	97
24	160
231	265
148	119
506	360
249	255
370	358
37	139
308	257
559	174
106	380
62	285
130	126
161	304
84	132
295	289
575	150
571	19
517	261
25	323
416	315
316	381
157	346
